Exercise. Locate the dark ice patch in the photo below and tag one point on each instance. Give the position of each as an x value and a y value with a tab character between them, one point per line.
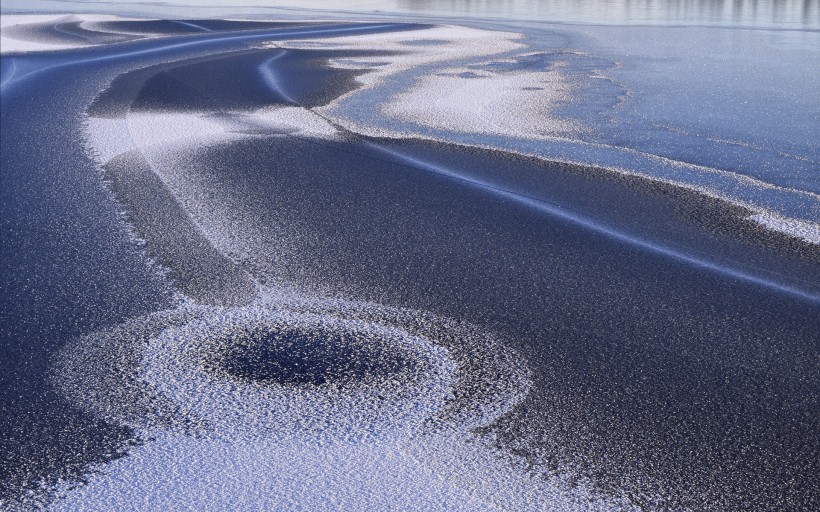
190	26
231	82
300	356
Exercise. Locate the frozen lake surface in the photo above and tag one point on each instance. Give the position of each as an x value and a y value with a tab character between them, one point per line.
311	260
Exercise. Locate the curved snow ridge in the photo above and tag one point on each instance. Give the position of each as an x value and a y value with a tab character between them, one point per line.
227	37
298	402
107	138
479	88
797	212
10	42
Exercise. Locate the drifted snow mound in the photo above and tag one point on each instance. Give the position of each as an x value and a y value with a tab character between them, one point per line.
251	372
292	367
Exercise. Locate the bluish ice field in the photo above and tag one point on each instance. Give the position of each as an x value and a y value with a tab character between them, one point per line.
410	255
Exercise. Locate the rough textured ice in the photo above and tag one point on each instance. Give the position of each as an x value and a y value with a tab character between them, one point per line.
395	435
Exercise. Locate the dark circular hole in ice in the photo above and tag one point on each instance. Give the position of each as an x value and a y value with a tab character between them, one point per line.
309	356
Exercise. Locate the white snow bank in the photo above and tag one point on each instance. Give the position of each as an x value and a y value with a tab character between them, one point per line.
515	105
9	44
449	95
143	131
804	230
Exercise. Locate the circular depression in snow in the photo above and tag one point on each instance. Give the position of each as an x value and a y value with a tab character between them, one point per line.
272	372
291	367
327	402
310	352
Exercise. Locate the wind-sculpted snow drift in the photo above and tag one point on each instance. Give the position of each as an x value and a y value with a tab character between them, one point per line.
395	285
